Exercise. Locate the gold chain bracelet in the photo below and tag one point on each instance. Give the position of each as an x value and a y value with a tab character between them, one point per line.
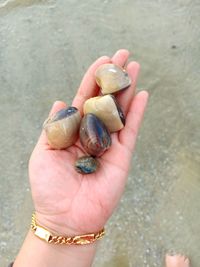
47	236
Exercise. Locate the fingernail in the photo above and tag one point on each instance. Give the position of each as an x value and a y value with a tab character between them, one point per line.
56	103
123	51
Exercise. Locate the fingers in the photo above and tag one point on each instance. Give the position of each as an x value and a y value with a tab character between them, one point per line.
126	96
128	134
120	57
176	260
58	105
88	87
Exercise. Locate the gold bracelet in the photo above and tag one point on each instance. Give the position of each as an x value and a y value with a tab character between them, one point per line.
47	236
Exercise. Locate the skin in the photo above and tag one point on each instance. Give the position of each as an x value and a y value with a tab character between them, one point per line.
69	203
176	261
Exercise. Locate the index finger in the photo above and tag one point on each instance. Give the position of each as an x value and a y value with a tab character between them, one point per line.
88	87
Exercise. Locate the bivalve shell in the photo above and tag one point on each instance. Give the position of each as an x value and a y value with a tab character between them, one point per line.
94	136
107	109
86	165
112	78
62	128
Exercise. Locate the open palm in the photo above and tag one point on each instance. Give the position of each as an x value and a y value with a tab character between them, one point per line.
71	203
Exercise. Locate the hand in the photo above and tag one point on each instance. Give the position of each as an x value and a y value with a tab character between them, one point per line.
70	203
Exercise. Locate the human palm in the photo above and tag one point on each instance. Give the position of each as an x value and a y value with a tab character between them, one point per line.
72	203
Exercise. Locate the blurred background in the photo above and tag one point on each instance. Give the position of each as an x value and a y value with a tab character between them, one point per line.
45	48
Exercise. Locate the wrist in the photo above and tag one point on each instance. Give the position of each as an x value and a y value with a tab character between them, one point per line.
36	252
60	224
51	238
56	224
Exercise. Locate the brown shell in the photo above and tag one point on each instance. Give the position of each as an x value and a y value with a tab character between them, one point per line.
86	165
62	128
106	109
94	136
112	78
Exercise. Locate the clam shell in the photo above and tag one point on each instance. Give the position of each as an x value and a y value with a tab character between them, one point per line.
86	165
62	128
106	109
112	78
94	136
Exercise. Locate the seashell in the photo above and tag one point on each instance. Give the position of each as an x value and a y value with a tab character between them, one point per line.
112	78
86	164
94	136
106	109
62	128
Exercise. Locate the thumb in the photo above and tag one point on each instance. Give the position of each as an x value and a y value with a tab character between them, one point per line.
57	105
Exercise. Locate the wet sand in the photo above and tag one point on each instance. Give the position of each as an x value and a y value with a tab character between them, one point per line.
45	48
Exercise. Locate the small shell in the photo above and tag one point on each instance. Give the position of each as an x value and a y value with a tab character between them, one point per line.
86	165
106	109
62	128
112	78
94	136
